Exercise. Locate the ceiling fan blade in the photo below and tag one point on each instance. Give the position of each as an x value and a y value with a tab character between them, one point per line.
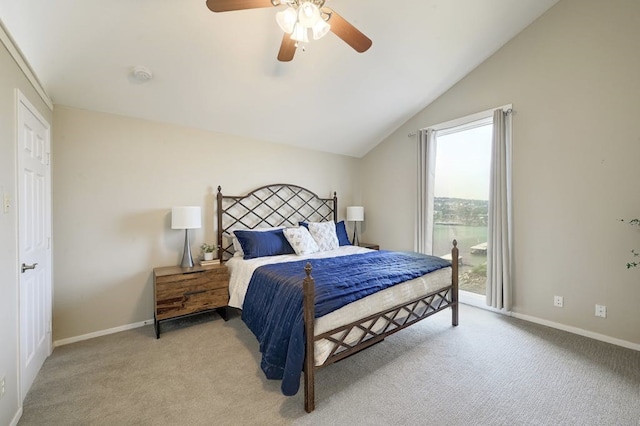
287	48
229	5
347	32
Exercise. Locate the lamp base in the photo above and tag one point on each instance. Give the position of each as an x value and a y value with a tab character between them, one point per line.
355	234
187	260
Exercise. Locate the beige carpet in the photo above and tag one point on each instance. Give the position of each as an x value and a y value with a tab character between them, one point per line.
491	370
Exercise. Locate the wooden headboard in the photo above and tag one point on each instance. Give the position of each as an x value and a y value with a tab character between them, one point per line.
268	206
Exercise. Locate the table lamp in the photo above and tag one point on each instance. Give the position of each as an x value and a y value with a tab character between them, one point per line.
186	218
355	214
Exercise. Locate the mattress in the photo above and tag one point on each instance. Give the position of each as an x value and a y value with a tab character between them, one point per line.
241	271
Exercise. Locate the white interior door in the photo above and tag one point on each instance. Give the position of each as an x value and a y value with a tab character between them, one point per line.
34	224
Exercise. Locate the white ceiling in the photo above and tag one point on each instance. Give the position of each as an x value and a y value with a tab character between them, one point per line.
218	71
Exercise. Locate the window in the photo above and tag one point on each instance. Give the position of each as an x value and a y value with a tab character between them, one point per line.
458	162
461	198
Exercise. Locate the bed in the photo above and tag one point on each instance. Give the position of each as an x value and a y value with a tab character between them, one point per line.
312	308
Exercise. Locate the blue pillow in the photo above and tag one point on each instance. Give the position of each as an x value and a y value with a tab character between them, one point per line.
341	232
263	243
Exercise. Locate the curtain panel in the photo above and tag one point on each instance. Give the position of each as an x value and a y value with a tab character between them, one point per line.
426	182
499	243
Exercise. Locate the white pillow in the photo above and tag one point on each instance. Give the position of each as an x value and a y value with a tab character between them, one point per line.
325	235
301	240
237	248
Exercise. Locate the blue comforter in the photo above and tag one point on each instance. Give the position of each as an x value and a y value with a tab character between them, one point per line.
272	307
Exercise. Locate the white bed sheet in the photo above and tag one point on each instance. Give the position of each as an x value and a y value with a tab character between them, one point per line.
241	271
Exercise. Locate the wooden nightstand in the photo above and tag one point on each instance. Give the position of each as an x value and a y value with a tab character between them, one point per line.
179	292
369	246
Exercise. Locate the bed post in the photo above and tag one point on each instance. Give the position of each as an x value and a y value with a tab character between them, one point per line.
309	356
454	283
220	249
335	207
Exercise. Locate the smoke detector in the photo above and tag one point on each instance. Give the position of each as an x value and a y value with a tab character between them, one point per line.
141	73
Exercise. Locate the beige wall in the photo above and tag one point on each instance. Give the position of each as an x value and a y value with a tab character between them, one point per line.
573	79
115	180
11	78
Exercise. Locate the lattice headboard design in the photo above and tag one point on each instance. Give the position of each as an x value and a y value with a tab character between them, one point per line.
268	206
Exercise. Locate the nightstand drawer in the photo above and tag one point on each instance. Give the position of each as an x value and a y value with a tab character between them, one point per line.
211	279
370	246
190	301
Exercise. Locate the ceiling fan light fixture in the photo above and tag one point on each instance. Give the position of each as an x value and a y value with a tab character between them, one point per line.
286	19
300	20
320	29
299	33
308	14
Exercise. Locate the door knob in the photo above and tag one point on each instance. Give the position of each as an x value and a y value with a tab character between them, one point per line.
25	267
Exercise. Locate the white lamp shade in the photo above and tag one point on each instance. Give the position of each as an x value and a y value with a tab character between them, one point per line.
355	214
286	19
320	29
299	33
186	217
308	14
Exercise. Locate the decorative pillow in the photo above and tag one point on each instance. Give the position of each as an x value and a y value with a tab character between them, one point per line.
263	243
237	247
325	235
301	240
341	232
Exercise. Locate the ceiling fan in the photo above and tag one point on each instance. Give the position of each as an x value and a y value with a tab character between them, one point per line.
300	18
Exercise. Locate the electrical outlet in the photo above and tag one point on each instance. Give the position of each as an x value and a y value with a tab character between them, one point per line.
2	382
558	301
6	202
601	311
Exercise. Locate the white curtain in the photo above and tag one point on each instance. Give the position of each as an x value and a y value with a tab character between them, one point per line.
499	246
426	179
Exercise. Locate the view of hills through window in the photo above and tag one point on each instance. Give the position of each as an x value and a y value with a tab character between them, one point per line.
461	205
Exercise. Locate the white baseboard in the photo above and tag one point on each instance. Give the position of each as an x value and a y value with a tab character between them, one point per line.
478	301
578	331
16	418
101	333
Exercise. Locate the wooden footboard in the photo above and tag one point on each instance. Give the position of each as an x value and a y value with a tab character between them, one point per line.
394	319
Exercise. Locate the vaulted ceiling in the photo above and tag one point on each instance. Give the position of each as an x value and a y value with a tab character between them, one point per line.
219	72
